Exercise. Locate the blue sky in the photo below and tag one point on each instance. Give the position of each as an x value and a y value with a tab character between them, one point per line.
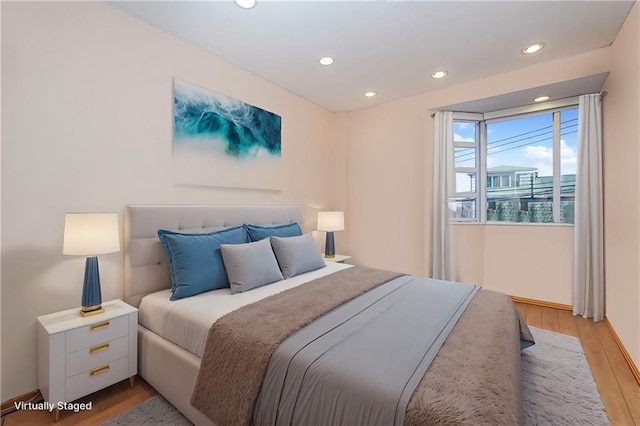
525	142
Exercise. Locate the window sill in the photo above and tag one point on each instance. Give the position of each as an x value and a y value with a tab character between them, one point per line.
469	223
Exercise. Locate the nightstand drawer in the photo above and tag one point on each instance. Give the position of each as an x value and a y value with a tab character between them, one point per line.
96	356
100	377
97	333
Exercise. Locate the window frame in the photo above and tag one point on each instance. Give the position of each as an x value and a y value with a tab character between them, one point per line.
481	121
474	119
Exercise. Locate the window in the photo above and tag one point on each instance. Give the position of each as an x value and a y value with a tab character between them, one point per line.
466	142
520	168
498	180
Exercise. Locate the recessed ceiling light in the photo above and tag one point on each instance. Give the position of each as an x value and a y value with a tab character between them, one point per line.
541	99
535	47
370	93
440	74
245	4
327	60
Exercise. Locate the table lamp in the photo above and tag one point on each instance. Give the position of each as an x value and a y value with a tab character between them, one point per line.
330	222
91	234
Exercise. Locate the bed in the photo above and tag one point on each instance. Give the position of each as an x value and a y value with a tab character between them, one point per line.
172	334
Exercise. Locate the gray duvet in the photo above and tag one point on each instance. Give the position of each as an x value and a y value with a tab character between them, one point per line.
360	363
474	378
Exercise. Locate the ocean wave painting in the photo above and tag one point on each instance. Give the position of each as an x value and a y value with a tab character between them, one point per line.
221	141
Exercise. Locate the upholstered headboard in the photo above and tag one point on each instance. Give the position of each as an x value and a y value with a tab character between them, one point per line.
146	264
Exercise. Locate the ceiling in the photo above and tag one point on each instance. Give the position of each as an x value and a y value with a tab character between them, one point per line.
391	47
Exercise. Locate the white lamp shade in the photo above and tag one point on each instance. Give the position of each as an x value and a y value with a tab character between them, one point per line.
90	234
330	221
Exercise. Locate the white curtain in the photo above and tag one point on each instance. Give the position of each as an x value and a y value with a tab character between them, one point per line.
588	259
442	261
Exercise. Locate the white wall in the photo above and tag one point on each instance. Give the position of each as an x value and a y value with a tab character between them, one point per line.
386	187
621	152
529	261
87	126
0	208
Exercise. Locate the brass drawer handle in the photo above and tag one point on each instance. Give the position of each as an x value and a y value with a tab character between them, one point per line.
99	348
99	370
100	326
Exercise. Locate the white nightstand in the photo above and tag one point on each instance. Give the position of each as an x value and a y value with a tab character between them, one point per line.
79	355
338	258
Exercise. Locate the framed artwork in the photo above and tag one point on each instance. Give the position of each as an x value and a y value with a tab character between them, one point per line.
224	142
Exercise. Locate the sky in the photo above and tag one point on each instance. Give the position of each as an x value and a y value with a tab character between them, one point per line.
523	142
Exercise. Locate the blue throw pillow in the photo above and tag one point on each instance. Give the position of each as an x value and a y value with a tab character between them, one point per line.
195	260
257	233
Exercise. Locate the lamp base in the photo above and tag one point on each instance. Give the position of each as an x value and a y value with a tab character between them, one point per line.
91	295
91	310
329	247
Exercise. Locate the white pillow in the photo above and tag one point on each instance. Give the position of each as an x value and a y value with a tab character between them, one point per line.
250	265
297	255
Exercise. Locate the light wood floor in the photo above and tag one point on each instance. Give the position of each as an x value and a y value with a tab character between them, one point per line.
619	390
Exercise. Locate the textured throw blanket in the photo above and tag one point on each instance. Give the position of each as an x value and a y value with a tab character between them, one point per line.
239	345
474	379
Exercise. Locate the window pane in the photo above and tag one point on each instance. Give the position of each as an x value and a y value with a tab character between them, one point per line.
462	208
465	157
520	170
465	182
568	161
464	132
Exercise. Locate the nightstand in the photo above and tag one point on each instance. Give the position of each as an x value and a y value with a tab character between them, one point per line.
79	355
338	258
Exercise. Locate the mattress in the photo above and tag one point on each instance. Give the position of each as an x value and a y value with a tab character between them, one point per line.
186	322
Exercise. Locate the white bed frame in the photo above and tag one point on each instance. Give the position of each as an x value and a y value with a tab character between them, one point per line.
171	370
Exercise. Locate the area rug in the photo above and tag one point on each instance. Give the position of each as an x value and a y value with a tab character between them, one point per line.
558	389
154	411
557	384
